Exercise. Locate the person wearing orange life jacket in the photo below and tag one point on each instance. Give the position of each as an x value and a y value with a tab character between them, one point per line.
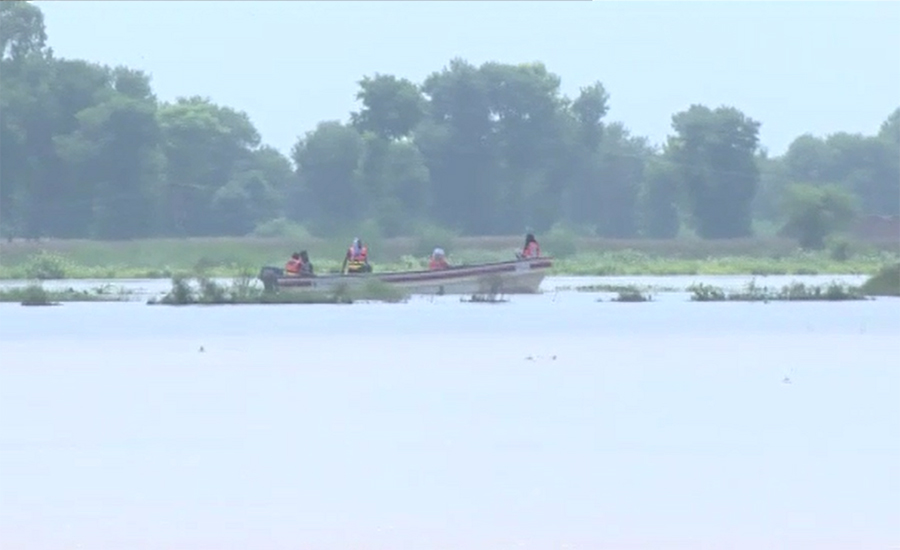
357	258
294	265
438	260
531	249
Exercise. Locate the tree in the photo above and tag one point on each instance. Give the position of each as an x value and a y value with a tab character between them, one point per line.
22	32
890	128
88	151
456	143
714	152
814	212
589	108
118	158
526	114
392	107
774	178
327	161
203	144
659	201
396	182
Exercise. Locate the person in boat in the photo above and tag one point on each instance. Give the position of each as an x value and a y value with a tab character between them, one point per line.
306	269
438	260
294	265
357	258
531	249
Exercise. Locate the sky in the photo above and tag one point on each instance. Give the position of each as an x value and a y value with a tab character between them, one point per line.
797	67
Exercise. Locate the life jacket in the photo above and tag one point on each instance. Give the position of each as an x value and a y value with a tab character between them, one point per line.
358	256
293	266
437	263
533	250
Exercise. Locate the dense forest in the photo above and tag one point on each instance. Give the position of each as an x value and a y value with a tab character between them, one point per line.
88	151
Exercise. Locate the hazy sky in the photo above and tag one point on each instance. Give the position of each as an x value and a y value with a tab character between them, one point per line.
797	67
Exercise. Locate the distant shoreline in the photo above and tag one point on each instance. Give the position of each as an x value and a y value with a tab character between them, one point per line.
233	256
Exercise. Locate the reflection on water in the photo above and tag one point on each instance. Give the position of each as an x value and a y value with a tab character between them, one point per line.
547	421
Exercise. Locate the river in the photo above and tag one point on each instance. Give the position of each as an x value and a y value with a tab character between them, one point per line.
551	421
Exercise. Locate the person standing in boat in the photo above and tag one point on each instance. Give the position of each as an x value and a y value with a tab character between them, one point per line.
438	260
357	258
531	249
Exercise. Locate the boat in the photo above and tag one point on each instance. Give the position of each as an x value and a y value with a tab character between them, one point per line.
521	276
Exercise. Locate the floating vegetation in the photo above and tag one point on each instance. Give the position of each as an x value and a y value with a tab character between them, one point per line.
623	288
632	295
242	290
484	299
884	283
36	295
793	292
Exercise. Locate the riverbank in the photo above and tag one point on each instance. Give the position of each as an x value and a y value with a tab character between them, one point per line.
233	257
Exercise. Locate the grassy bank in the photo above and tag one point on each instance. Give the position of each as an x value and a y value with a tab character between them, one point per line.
229	257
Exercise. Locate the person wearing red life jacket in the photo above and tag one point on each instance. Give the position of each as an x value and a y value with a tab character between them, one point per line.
438	260
294	265
531	249
357	258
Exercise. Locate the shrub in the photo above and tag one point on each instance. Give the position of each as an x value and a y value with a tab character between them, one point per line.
884	283
46	265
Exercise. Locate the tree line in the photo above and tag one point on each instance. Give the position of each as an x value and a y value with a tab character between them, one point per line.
88	151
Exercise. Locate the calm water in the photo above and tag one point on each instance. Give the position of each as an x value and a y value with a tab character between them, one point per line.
551	421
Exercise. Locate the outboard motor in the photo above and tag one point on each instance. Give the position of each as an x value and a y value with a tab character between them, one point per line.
269	277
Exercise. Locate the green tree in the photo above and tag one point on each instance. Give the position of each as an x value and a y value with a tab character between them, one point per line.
526	113
256	192
328	165
714	151
392	106
204	143
589	108
659	200
397	184
455	141
890	128
116	159
22	31
814	212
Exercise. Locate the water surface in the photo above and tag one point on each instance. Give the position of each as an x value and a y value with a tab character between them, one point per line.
551	421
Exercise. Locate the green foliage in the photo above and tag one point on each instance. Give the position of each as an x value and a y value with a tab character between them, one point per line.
632	295
714	154
392	107
815	212
244	290
22	30
793	292
884	283
35	295
702	292
46	265
89	151
867	167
